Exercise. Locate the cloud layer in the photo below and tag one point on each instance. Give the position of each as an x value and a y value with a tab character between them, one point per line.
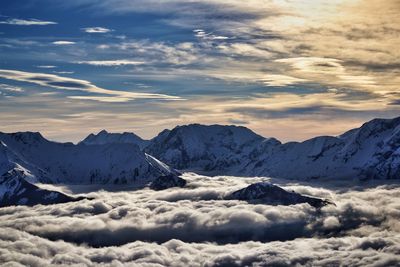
175	228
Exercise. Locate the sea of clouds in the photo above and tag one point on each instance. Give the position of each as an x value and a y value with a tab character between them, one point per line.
194	226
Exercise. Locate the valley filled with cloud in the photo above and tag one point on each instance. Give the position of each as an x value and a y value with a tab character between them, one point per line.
197	226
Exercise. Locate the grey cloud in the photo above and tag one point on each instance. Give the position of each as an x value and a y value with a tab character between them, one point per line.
236	121
324	111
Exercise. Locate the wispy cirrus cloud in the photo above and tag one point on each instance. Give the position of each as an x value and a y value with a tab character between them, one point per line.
27	22
328	71
46	66
199	33
64	72
108	63
97	30
97	93
10	88
63	42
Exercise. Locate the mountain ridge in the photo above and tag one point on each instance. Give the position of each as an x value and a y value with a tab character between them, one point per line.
77	164
370	151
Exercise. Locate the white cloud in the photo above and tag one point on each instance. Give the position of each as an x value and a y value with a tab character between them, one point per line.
64	72
326	70
179	54
46	66
280	80
103	46
331	222
97	30
118	62
27	22
10	88
55	81
315	64
63	43
192	227
199	33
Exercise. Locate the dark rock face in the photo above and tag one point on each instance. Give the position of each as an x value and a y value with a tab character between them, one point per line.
167	181
266	193
15	190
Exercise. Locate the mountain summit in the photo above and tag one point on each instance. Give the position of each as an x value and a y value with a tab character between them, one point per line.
104	137
205	148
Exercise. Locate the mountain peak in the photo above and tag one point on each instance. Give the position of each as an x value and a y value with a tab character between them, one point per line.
203	147
267	193
27	137
104	137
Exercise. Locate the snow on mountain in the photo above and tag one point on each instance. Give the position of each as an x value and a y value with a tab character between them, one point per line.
7	159
16	190
371	151
114	163
204	148
267	193
105	137
10	160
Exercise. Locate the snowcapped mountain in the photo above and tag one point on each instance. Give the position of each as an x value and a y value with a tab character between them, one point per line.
16	190
205	148
114	163
105	137
271	194
371	151
9	160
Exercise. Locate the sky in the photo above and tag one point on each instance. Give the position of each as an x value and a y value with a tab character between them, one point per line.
285	69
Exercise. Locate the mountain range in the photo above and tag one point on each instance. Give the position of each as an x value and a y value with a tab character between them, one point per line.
369	152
